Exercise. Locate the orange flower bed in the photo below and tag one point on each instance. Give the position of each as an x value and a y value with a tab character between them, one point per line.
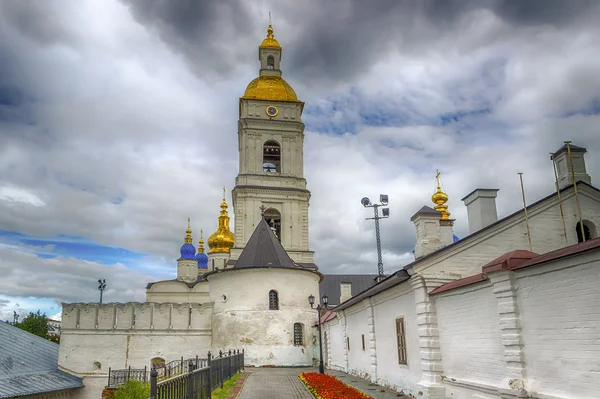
324	386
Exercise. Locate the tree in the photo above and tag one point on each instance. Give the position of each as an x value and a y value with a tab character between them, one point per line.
35	323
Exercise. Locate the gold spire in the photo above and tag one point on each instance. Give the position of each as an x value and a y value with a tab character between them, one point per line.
440	198
188	234
222	239
201	244
270	41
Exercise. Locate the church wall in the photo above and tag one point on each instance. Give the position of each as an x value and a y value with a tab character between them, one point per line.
131	334
242	318
546	235
470	336
177	292
359	359
560	308
397	302
336	345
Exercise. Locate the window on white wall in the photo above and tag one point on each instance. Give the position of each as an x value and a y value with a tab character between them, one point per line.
363	341
298	334
273	300
401	339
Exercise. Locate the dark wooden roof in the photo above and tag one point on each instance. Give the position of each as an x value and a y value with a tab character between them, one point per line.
264	249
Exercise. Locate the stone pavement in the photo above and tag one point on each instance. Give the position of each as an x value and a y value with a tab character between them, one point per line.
373	390
275	383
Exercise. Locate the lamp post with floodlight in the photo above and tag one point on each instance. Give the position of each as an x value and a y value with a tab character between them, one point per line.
311	300
366	202
101	287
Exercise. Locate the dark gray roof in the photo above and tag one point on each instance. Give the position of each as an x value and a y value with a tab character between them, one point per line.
330	285
425	210
264	249
200	279
29	365
399	277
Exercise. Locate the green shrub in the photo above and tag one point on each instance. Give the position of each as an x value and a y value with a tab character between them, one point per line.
133	390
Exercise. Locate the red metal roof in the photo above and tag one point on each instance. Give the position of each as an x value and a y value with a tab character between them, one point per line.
519	259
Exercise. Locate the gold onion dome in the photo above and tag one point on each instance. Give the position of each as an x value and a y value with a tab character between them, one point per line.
221	240
439	198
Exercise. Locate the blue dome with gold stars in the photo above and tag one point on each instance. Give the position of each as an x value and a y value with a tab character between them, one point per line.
187	250
201	257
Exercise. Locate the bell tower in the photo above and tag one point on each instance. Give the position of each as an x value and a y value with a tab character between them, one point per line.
271	169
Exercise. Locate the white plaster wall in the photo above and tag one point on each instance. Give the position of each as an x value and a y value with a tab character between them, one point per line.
244	321
470	337
177	292
359	360
336	345
466	258
94	384
91	333
560	306
397	302
64	394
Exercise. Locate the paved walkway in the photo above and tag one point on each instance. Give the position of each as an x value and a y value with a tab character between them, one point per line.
275	383
373	390
283	383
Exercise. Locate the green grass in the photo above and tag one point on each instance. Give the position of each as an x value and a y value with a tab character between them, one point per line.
222	393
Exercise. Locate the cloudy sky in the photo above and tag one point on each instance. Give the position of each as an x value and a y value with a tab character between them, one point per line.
118	120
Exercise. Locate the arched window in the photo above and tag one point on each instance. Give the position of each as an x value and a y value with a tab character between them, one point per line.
589	231
97	366
298	334
271	157
158	362
273	300
270	62
273	218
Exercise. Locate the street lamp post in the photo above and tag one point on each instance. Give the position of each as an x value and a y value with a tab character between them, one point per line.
366	202
311	300
101	287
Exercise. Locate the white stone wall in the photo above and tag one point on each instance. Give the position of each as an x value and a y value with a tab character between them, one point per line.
466	258
336	345
397	302
242	318
64	394
177	292
131	334
469	331
560	307
359	359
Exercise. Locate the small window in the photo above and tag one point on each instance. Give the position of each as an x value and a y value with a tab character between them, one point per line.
401	339
97	366
363	341
270	62
157	362
298	334
273	300
348	343
589	231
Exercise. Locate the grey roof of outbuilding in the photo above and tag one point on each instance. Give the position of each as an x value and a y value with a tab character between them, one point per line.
425	210
29	365
264	249
330	285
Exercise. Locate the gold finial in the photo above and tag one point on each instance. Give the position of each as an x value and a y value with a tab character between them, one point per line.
262	210
188	234
270	41
201	244
440	198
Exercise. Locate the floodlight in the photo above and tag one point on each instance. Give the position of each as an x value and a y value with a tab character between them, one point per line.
383	198
386	212
365	201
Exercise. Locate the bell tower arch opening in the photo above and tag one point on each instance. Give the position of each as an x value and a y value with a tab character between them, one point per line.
271	157
273	219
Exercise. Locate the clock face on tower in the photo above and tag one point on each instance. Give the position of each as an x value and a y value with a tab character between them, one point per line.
272	111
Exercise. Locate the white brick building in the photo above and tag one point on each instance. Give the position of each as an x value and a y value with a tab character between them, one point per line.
486	316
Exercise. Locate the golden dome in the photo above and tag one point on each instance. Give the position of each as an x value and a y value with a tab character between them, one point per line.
439	198
221	240
270	41
272	88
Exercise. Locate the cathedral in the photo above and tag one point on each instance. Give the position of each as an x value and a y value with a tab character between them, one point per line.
508	311
237	295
